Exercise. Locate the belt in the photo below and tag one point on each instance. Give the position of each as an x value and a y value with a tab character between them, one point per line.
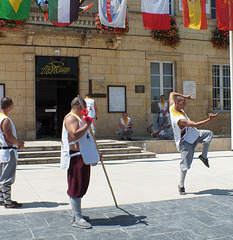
9	147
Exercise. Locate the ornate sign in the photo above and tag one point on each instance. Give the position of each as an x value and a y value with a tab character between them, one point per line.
55	67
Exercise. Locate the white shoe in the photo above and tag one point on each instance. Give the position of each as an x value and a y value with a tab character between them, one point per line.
82	224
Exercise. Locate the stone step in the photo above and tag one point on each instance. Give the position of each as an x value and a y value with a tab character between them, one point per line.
42	153
38	160
42	160
130	149
36	154
129	156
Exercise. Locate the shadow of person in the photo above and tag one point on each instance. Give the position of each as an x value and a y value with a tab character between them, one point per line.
122	220
43	204
227	192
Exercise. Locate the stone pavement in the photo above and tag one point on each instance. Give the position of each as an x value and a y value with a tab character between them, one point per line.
146	191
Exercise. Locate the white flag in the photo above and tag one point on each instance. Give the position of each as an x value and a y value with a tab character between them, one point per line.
112	13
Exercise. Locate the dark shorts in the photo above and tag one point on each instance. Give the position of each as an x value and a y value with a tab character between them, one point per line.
78	177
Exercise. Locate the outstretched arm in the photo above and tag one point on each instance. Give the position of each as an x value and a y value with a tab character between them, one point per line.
188	123
174	94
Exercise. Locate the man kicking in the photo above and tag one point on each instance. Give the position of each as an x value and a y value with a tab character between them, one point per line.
187	136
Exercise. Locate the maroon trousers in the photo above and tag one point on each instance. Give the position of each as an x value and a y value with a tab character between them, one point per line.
78	177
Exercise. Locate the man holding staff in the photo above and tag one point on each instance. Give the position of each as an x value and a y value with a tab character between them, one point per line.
78	151
187	136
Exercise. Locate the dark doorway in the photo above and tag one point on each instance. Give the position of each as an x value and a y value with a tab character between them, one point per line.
54	93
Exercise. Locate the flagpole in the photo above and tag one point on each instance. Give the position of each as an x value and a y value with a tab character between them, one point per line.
231	84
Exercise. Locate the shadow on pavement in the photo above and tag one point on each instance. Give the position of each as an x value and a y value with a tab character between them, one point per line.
42	204
228	192
120	220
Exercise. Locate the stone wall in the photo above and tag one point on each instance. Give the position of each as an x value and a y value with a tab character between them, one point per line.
118	61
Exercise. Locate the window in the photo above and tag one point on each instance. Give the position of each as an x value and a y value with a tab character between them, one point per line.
162	82
213	9
221	87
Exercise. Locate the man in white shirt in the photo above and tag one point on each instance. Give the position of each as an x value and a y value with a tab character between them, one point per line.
92	109
187	136
125	127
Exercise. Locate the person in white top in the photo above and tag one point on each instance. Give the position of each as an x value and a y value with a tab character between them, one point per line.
187	136
163	112
92	110
163	133
8	154
78	173
125	127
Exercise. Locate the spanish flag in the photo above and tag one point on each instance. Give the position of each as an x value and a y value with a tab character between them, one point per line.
15	9
194	14
224	12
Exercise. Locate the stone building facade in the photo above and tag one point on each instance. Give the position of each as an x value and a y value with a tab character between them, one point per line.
43	67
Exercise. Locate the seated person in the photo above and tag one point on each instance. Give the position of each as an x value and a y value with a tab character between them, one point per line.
125	127
163	133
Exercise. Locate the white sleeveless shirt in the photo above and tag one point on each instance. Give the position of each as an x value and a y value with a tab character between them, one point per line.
164	108
5	153
87	146
90	107
190	135
127	123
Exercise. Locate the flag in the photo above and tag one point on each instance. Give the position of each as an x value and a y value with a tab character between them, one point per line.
224	12
113	13
15	9
155	14
194	14
63	11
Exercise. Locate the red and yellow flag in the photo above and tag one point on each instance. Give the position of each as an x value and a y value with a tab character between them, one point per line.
194	14
224	12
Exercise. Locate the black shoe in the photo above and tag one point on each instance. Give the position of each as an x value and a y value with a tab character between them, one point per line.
181	190
122	138
13	204
204	160
2	203
129	138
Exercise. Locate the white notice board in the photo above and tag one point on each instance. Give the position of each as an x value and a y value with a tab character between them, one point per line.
189	88
116	98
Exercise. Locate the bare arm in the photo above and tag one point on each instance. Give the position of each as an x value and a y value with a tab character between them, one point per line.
188	123
9	137
96	111
72	126
174	94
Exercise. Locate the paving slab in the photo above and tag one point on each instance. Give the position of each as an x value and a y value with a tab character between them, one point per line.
147	195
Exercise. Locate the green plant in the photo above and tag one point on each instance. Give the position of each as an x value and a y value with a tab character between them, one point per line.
110	30
168	37
11	25
220	39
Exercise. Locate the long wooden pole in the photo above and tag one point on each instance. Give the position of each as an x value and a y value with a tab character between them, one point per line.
105	172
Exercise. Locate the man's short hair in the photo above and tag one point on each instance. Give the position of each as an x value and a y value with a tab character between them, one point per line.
162	96
178	99
76	101
87	94
6	102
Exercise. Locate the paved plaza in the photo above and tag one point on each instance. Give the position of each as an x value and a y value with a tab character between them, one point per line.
146	191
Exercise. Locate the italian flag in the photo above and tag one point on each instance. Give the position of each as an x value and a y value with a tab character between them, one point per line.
63	11
194	14
155	14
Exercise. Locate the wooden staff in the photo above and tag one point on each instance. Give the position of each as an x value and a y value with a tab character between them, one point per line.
105	172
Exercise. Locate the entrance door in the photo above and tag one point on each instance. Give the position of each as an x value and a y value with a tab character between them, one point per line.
56	85
53	98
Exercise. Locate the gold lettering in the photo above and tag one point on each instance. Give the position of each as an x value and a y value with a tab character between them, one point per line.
55	67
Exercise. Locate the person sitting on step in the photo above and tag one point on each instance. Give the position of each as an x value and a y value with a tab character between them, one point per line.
125	127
